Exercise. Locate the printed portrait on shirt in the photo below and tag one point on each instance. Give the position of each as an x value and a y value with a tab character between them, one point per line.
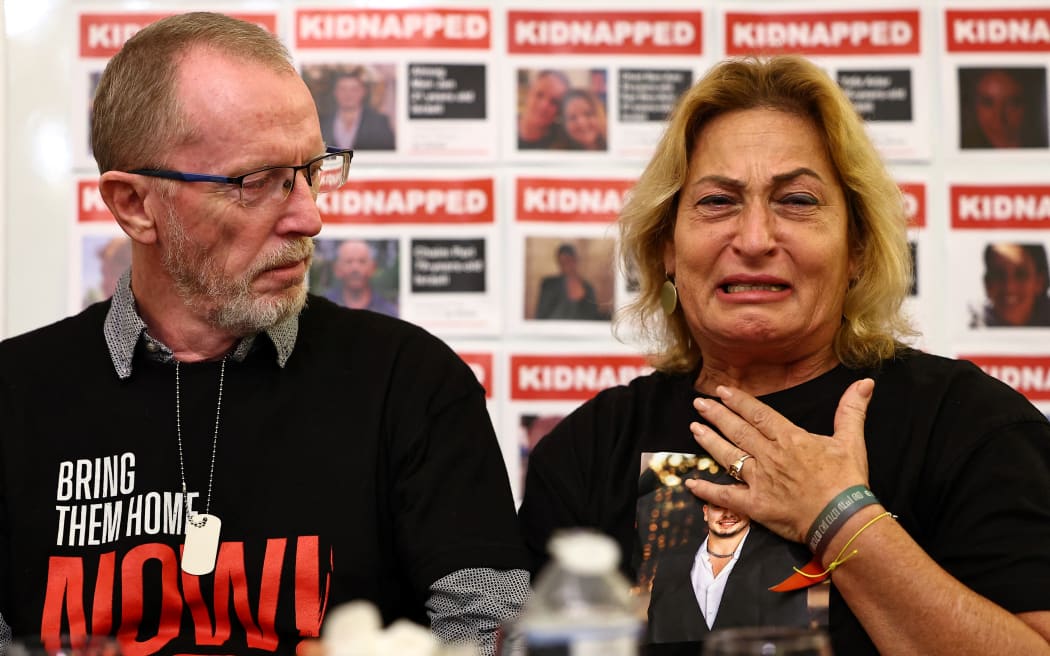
704	567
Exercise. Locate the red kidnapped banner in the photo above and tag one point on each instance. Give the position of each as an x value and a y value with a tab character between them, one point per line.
393	28
984	207
561	199
570	377
410	201
998	30
605	32
815	33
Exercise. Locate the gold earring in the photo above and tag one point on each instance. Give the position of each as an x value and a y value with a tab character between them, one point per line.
669	296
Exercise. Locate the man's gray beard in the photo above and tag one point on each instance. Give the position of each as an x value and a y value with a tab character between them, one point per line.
230	304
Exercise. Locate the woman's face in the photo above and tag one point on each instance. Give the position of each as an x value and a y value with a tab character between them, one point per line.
1000	109
1012	283
581	122
759	251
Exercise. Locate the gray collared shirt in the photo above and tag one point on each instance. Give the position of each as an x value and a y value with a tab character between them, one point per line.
124	328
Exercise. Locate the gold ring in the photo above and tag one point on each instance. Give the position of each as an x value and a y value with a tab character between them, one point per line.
734	469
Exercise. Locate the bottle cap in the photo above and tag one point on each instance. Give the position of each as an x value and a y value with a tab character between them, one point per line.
584	551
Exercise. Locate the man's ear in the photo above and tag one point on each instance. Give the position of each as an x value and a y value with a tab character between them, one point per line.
125	195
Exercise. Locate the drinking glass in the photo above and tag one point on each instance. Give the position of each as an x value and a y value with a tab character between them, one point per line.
767	641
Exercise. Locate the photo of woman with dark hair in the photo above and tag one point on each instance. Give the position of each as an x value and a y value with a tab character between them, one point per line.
1015	285
1002	108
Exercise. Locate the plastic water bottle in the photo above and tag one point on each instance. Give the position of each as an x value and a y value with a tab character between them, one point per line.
581	605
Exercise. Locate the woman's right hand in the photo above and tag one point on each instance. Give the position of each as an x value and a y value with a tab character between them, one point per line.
786	462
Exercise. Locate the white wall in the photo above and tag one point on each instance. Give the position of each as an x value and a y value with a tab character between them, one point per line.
38	201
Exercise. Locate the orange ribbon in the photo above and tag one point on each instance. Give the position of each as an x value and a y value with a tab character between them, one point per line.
797	580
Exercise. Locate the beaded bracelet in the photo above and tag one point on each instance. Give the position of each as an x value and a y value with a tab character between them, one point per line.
835	514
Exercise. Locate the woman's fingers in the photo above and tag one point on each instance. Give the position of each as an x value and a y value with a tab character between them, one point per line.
721	450
758	416
853	409
728	496
732	427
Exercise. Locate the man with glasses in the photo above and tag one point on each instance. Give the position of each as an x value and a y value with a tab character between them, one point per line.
211	460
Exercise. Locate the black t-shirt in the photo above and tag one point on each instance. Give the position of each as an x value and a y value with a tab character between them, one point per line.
962	460
366	468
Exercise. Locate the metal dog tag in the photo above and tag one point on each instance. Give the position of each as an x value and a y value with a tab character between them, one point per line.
201	547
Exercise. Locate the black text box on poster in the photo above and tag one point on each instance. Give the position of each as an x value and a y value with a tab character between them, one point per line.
448	265
879	95
446	91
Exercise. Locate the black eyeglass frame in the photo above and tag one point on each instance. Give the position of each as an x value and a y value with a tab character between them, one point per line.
238	181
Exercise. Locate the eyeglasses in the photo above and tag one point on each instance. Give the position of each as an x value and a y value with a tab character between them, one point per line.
271	185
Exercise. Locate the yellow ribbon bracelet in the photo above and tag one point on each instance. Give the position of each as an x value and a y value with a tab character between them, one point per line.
843	556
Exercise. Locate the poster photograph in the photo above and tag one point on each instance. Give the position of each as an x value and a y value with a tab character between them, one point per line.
356	104
569	278
1000	234
406	82
364	274
995	70
578	87
565	269
562	109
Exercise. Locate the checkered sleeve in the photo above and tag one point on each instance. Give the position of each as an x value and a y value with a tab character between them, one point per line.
470	605
5	635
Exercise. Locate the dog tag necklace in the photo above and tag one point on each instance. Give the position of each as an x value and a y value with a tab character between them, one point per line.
201	546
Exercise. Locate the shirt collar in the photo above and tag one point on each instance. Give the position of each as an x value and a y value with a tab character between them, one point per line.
124	329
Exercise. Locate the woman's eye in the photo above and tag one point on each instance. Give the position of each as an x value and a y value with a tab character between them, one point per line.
799	199
716	200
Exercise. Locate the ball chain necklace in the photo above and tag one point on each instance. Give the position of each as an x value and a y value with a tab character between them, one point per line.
201	546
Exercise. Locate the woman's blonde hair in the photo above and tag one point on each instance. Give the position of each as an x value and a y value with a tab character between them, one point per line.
873	326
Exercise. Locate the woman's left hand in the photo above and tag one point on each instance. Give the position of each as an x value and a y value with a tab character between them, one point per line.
790	474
